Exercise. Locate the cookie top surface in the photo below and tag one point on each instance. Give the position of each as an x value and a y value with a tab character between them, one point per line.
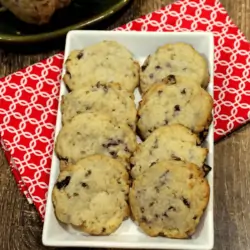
105	62
173	142
104	98
184	103
169	199
92	195
94	133
174	59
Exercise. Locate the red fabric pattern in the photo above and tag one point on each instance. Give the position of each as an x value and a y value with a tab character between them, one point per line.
29	97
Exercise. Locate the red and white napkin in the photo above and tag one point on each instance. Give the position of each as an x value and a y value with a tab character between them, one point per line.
29	97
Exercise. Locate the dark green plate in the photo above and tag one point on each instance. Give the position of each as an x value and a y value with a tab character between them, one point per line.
80	14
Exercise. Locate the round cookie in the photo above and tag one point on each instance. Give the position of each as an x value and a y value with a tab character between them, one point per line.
94	133
184	103
106	61
179	59
104	98
92	195
169	199
173	142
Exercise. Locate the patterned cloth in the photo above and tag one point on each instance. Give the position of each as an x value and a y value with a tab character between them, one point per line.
29	97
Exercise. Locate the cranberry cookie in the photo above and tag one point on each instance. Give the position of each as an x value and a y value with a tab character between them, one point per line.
94	133
179	59
92	195
184	103
106	98
106	61
173	142
169	199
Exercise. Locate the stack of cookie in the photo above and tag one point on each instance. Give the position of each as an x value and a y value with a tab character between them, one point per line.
170	191
97	138
97	143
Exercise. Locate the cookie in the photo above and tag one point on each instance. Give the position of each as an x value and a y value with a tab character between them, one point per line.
169	199
92	195
106	61
178	59
94	133
173	142
36	12
104	98
184	103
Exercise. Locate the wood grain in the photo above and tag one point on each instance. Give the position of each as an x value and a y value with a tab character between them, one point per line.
20	225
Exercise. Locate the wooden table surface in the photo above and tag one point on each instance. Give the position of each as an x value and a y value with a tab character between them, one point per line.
20	225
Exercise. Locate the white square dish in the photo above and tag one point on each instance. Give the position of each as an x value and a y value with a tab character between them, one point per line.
141	44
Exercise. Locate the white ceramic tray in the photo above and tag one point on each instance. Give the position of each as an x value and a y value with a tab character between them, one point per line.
141	44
